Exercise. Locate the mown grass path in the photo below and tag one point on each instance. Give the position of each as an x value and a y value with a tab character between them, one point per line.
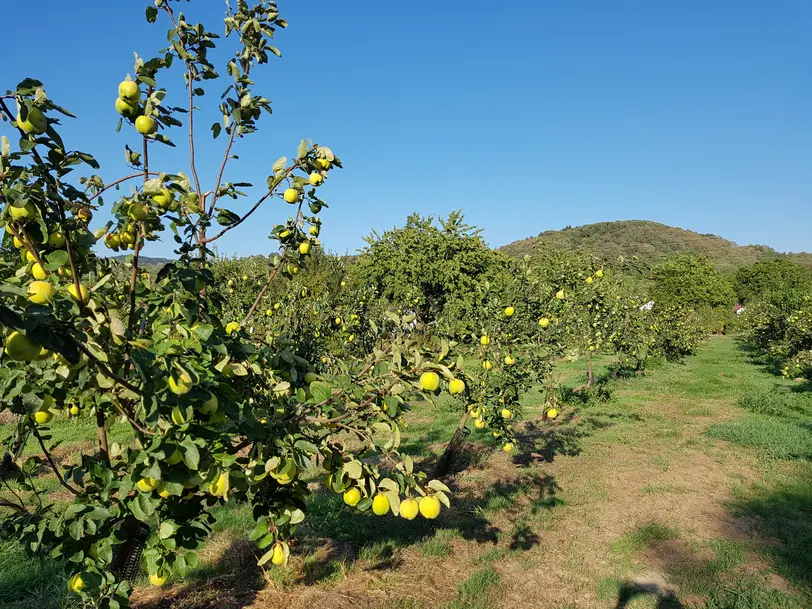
672	486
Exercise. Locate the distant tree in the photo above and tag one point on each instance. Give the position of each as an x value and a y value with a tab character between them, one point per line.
776	280
426	266
691	281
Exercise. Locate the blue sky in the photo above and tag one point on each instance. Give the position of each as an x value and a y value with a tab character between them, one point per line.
528	115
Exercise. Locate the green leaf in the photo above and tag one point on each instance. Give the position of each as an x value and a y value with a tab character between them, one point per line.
320	391
265	557
354	469
302	150
190	453
76	529
297	516
266	540
388	484
167	529
226	217
394	501
56	259
180	564
258	531
436	485
279	166
306	446
75	508
192	559
169	543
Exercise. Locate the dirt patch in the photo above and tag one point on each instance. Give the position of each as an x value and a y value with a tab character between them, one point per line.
71	454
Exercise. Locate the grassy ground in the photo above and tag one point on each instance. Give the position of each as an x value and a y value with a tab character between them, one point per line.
690	487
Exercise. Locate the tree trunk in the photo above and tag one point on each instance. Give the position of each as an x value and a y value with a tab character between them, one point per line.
101	431
590	376
454	448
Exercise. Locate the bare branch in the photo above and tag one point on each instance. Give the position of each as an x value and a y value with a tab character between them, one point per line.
240	221
216	194
271	277
18	508
120	180
51	462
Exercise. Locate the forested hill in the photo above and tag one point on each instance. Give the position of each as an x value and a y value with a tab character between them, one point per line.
652	242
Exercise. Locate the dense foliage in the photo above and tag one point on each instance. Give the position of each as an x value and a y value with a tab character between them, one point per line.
779	281
691	281
778	314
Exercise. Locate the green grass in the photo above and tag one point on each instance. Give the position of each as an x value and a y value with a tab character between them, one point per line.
750	594
478	591
440	543
772	437
26	583
783	511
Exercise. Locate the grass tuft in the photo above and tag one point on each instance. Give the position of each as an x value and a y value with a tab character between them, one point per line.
643	537
477	592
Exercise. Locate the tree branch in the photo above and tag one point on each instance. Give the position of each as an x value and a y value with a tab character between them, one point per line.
189	86
256	205
51	462
271	277
240	221
320	421
123	382
216	194
120	180
18	508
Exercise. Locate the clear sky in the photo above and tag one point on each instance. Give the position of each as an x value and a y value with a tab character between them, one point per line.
528	114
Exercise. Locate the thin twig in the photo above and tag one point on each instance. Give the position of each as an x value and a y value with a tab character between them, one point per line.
320	421
290	170
216	194
120	180
15	493
51	461
240	221
271	277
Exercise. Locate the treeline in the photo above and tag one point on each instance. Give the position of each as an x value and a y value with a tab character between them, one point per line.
778	314
440	275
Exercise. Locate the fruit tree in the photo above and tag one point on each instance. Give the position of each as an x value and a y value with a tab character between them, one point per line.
213	416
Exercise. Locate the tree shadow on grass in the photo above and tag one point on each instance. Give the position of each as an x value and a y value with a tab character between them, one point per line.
416	444
541	441
523	537
631	590
374	542
232	582
758	358
783	513
582	395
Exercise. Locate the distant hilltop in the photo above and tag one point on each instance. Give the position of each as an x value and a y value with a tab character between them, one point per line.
651	242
